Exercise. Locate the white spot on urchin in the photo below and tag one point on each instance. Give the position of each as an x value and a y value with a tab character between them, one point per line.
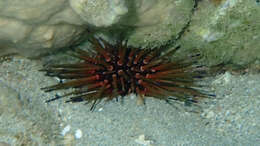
78	134
65	130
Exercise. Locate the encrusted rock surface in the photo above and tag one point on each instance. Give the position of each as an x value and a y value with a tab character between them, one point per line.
226	31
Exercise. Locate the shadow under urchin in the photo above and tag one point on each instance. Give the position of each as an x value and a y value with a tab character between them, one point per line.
114	71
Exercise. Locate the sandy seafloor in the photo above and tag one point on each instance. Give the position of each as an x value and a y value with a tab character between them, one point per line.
232	118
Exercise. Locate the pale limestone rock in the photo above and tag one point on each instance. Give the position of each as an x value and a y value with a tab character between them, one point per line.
9	27
32	28
101	14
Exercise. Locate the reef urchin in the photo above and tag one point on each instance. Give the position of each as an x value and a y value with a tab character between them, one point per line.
119	69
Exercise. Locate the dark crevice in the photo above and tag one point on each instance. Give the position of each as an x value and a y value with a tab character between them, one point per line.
172	43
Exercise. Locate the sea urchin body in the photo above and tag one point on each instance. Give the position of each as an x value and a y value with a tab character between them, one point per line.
118	70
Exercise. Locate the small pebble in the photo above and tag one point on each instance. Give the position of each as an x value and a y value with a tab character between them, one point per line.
78	134
210	114
100	109
65	130
143	141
